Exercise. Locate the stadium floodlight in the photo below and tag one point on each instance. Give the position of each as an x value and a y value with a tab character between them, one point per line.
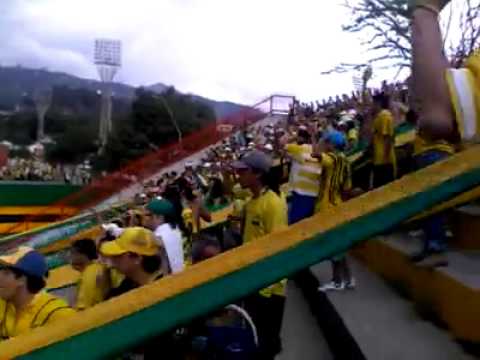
108	59
42	99
108	52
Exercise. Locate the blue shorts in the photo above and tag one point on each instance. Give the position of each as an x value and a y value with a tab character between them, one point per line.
301	207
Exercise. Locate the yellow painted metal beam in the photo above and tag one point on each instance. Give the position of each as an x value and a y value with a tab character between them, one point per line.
38	210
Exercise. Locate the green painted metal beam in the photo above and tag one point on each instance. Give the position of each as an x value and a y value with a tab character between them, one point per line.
26	193
47	235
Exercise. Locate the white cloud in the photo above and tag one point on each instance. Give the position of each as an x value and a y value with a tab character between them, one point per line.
241	50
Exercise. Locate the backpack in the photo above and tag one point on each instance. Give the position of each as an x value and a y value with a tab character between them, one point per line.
238	341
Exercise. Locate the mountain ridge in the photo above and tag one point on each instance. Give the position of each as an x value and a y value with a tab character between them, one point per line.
18	81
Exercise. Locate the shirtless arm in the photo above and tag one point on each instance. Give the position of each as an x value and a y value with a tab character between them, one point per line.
429	65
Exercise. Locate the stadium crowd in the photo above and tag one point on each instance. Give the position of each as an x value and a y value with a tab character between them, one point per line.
34	169
267	178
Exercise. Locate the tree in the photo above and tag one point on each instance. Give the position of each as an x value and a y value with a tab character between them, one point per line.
73	146
469	26
386	26
150	126
19	128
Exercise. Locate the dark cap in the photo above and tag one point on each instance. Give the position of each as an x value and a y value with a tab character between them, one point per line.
255	160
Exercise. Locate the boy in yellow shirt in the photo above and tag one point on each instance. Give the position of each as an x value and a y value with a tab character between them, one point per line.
83	257
384	159
265	213
23	304
335	183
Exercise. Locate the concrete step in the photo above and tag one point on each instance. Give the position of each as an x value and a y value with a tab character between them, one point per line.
463	265
448	295
385	325
301	336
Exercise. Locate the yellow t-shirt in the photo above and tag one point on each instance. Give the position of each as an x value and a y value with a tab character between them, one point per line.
187	215
420	145
109	278
238	207
116	277
352	135
383	127
336	178
264	215
89	291
44	309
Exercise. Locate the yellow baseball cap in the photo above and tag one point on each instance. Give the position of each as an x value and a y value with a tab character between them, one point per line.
136	240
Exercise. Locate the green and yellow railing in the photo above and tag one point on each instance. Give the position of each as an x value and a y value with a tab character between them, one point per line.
106	329
26	205
62	275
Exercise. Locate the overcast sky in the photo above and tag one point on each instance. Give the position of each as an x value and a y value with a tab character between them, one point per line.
240	50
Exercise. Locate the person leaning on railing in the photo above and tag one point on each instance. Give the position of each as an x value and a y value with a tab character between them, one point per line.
23	304
83	258
135	254
265	213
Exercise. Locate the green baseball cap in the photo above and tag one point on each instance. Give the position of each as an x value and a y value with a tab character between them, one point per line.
160	207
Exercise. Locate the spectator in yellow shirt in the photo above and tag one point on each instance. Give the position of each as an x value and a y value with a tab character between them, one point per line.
83	259
23	304
135	254
352	135
336	184
265	213
384	160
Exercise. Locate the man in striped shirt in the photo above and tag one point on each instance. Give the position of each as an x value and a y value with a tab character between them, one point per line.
304	177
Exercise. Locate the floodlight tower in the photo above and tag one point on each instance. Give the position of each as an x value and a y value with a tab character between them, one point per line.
42	99
107	58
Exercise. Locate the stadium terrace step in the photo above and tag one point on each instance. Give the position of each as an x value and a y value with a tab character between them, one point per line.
385	325
449	295
301	336
465	223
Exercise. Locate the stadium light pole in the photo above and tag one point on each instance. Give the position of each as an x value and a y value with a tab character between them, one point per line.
172	118
108	59
42	99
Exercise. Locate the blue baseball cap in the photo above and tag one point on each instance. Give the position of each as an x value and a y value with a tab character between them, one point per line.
336	138
27	260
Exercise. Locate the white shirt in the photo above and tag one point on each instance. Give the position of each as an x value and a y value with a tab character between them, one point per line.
171	240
